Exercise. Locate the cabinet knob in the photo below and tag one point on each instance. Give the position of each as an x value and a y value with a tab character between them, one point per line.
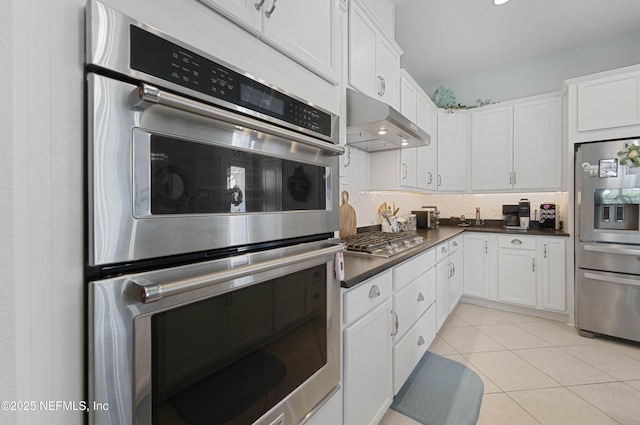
259	4
420	297
374	292
420	340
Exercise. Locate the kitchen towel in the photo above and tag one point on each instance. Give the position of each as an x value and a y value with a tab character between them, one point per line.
440	391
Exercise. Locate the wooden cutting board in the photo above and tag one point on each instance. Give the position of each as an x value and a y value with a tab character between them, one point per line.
348	220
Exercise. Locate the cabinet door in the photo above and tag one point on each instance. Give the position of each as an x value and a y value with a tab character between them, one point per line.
306	30
443	273
455	279
476	265
491	149
407	167
408	99
388	76
368	367
517	276
554	284
452	156
362	52
427	177
609	102
242	12
537	144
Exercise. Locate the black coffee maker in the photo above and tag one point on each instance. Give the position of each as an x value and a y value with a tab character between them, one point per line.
510	215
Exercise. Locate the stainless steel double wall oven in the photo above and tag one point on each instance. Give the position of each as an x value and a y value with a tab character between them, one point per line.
212	205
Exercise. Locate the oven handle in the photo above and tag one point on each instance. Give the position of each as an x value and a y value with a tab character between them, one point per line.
612	250
150	292
152	94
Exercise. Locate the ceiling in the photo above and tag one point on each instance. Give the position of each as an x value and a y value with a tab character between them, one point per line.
445	40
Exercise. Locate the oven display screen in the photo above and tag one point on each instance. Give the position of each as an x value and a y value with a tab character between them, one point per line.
231	358
163	59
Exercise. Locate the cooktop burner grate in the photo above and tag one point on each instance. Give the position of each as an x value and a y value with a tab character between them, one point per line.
381	244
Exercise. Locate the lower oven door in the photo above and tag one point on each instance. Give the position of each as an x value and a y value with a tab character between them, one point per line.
608	303
246	339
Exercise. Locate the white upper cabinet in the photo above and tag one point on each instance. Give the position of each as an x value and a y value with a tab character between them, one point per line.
604	106
452	155
517	146
491	149
374	58
304	30
537	144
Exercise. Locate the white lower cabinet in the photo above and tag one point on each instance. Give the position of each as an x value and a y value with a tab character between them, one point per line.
368	366
412	346
479	262
524	270
448	277
553	270
517	270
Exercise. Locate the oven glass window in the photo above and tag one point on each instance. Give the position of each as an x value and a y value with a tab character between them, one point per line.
231	358
190	177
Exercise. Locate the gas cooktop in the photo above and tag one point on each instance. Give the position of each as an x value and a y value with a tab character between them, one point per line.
382	244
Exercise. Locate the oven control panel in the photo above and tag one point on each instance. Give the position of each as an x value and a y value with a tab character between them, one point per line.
163	59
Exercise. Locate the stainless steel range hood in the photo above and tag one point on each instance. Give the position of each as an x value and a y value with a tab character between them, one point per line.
372	125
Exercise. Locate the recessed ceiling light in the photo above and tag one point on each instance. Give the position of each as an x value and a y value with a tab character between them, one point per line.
499	2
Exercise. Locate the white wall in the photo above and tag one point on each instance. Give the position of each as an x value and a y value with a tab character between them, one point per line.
7	273
546	74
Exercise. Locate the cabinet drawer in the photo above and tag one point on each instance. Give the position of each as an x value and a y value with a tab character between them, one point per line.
411	302
410	349
367	295
442	251
517	242
408	271
454	244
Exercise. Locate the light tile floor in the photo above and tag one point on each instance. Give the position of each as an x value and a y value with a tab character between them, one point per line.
539	371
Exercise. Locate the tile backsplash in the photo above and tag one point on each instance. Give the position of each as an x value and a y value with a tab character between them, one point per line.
366	203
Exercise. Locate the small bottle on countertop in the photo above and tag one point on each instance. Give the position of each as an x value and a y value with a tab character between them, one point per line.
478	221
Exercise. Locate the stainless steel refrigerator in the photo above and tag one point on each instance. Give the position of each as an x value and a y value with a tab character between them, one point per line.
608	239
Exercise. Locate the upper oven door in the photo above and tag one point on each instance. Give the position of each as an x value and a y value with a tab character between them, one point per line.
171	176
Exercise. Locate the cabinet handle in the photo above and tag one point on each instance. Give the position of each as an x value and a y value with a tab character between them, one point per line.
270	11
439	180
454	269
533	264
430	177
510	177
374	292
455	243
545	250
420	297
516	241
380	85
384	86
444	249
396	324
347	151
515	174
486	247
259	4
420	340
450	270
405	171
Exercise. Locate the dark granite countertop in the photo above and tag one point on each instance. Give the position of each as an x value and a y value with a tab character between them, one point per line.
359	267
